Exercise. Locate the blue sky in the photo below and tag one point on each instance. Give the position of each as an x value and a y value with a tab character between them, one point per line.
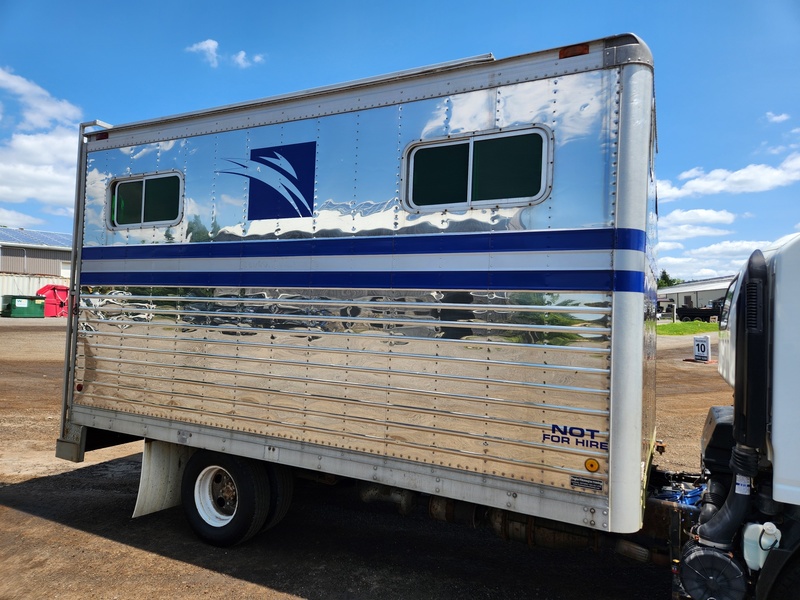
727	89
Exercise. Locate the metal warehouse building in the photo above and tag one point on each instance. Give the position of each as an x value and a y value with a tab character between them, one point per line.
695	294
30	260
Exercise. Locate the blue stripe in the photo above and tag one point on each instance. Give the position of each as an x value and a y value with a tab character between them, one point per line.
575	281
549	241
580	239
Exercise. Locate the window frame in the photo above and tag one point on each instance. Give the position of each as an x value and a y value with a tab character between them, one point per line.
111	199
471	138
727	305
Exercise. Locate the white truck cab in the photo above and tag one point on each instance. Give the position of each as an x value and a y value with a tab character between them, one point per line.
748	536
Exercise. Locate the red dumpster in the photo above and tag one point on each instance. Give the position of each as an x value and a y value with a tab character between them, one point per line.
56	300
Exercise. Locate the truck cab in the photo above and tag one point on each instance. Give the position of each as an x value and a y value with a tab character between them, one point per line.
747	540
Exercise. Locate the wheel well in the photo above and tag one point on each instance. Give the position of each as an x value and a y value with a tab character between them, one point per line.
102	438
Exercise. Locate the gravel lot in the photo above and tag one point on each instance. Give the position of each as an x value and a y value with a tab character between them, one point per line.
66	531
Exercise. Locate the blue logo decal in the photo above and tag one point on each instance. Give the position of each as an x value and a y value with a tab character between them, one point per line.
281	180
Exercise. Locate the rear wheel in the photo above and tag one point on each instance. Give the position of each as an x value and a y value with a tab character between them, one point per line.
281	485
225	498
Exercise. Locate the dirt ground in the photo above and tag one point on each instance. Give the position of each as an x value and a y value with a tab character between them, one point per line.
66	531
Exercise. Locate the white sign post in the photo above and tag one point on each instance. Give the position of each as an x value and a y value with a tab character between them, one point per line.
702	348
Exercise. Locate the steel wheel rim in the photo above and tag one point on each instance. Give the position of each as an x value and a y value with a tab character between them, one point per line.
216	496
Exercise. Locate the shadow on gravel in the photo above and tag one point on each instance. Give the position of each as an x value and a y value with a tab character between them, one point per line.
331	546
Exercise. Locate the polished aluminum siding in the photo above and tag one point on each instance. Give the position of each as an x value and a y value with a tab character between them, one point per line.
338	349
470	386
359	167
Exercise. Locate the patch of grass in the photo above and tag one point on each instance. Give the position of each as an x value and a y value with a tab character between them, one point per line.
688	328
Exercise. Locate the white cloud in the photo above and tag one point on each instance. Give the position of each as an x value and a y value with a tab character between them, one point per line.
39	110
752	178
685	232
777	149
738	250
687	224
789	144
714	260
241	60
773	118
693	269
39	166
701	274
208	48
666	191
37	159
668	246
12	218
691	174
698	215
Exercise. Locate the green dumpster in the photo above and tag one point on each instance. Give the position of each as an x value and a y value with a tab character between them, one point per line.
23	307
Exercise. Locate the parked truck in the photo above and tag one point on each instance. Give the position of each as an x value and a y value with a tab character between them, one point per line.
440	283
709	313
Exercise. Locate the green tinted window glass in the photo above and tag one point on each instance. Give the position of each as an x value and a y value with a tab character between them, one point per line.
155	199
128	203
440	175
507	167
162	199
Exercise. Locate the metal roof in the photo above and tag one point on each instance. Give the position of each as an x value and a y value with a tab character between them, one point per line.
704	285
30	238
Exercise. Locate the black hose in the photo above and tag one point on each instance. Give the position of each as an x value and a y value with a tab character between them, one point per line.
712	500
720	530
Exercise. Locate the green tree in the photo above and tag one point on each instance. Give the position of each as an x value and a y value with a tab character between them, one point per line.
665	280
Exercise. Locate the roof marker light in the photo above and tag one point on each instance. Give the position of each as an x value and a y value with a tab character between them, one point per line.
576	50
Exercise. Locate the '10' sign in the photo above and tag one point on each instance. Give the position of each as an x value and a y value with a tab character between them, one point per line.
702	348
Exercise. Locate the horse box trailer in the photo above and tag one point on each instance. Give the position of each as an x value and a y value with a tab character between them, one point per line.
439	282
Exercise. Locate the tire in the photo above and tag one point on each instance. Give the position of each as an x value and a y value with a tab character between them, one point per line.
281	485
225	498
788	582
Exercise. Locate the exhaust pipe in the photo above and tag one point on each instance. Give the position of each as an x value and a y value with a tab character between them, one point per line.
750	401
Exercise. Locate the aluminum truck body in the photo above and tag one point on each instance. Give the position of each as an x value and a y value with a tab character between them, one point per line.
439	281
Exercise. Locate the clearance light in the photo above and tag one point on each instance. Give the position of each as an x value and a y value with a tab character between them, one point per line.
79	387
576	50
592	465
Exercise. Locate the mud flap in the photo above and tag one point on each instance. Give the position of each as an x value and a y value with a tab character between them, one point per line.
160	482
72	443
